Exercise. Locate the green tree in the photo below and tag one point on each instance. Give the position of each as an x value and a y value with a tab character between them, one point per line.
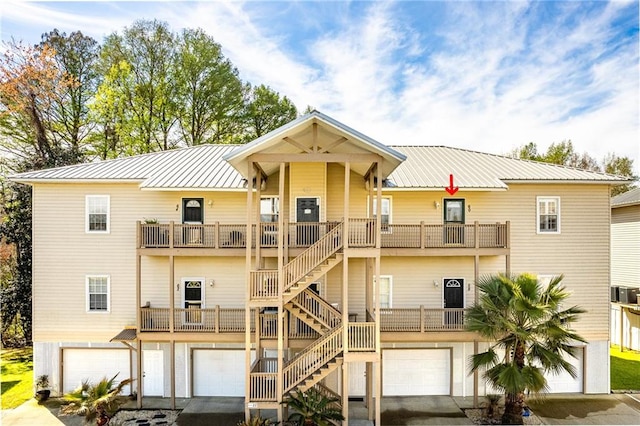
15	232
210	95
564	154
140	63
267	111
76	55
531	334
621	166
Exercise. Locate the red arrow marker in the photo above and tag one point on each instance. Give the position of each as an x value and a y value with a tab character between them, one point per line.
451	189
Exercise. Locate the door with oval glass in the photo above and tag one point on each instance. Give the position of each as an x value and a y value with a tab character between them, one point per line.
192	220
453	300
193	299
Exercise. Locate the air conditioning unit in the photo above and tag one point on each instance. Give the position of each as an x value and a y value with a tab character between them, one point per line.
615	293
629	295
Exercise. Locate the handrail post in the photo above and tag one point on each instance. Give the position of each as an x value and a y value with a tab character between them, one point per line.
476	225
422	234
216	234
171	234
508	237
422	318
216	316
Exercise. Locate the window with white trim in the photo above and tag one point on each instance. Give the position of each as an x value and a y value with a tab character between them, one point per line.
97	213
548	214
385	213
98	293
269	209
385	291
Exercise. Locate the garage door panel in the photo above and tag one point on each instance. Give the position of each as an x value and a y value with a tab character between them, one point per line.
563	382
93	365
219	372
416	372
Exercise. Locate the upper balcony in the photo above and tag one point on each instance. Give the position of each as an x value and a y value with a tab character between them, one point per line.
419	238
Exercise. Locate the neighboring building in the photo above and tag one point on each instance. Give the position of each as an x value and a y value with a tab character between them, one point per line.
625	269
162	251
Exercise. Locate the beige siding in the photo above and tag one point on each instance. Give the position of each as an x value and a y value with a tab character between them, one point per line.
308	180
625	246
64	254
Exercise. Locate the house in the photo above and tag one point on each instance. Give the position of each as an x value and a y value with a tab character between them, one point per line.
625	269
313	256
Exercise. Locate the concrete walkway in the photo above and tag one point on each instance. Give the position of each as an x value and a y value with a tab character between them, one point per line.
557	409
30	414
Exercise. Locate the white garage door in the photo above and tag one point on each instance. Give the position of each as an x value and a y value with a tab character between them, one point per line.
93	365
219	372
416	372
563	382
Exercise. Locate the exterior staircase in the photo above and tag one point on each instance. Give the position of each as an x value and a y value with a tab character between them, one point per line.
323	356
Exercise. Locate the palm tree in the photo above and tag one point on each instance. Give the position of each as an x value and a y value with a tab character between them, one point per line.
312	408
528	324
97	401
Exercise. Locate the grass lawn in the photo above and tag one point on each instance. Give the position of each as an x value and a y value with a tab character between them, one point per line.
17	376
625	369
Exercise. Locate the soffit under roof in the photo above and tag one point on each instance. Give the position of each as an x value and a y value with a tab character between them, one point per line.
315	133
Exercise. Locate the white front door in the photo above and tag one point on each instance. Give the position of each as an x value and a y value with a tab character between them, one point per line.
357	379
153	373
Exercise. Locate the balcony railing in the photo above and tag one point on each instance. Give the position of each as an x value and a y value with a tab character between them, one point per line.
422	319
304	234
231	320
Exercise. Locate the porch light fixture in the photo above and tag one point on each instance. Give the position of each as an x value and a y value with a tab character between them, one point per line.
435	283
436	205
211	283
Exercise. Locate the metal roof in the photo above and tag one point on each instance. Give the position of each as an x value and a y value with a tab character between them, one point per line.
196	167
126	335
430	167
629	198
426	167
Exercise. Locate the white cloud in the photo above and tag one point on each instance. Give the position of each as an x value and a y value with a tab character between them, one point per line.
493	77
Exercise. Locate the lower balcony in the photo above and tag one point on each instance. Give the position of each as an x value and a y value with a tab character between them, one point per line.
232	320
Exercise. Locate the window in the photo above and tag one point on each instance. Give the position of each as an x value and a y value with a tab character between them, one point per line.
548	212
385	291
97	213
98	293
269	209
385	214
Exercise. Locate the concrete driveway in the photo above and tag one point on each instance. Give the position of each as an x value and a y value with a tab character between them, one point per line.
572	409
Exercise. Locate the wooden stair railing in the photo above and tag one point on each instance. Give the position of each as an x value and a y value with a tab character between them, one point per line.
312	257
313	310
312	358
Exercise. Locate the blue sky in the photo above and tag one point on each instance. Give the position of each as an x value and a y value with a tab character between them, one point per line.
482	75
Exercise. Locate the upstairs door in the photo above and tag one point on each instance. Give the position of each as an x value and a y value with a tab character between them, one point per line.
308	218
192	210
454	221
453	300
193	297
192	214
